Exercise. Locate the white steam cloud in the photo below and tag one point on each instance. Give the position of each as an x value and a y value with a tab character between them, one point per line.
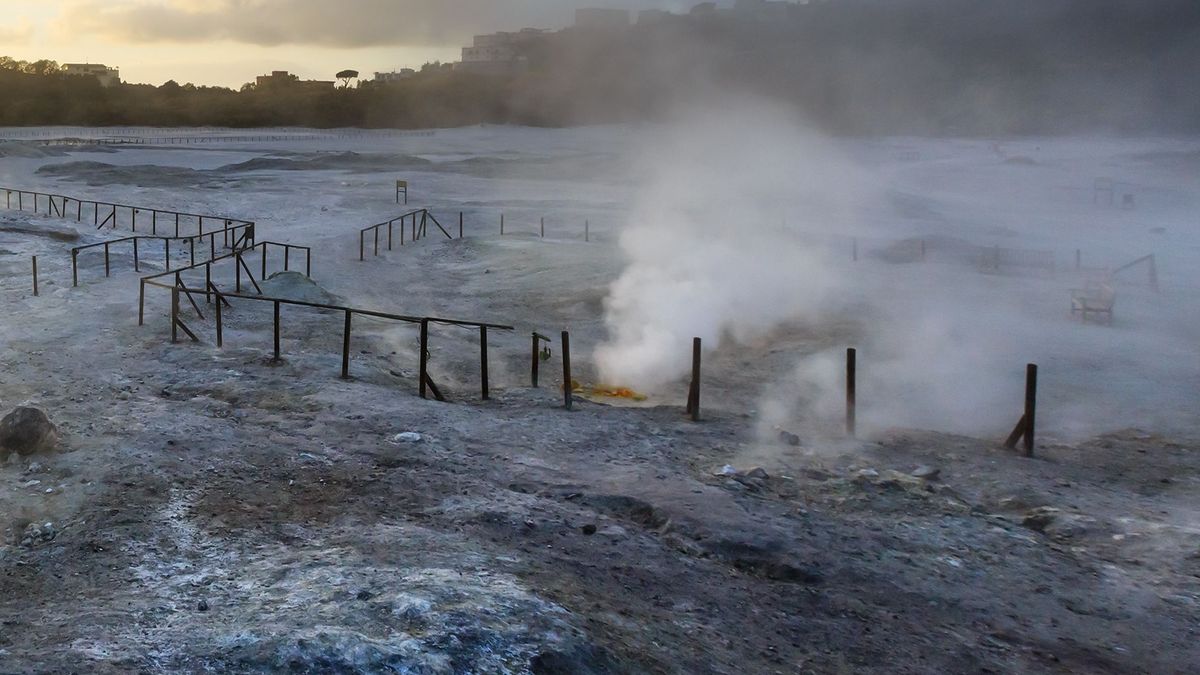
707	247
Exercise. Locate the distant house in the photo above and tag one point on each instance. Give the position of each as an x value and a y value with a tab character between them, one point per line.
282	78
394	76
109	77
601	19
500	53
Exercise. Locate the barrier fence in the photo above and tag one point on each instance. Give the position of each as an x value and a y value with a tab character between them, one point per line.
179	223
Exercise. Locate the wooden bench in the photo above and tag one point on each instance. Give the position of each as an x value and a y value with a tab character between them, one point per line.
1095	300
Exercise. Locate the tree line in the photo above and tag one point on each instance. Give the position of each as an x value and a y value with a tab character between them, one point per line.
850	66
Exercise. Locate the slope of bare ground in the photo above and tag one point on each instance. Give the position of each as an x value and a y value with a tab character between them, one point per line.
213	511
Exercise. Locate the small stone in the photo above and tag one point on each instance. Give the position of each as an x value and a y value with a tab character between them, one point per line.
927	473
364	595
407	437
788	438
589	529
202	606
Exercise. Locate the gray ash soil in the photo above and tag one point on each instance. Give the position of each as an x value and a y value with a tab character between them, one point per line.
214	512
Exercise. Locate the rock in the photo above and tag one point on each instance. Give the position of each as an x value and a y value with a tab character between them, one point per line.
589	529
788	438
407	437
202	606
926	473
26	431
1040	518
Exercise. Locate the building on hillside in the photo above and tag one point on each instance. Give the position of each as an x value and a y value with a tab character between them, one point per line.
282	78
501	53
109	77
395	76
592	18
650	17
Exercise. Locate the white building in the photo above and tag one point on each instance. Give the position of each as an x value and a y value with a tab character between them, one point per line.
395	76
109	77
500	53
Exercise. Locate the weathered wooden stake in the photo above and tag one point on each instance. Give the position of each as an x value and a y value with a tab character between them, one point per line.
693	406
174	314
74	267
543	227
460	224
346	347
276	303
220	326
568	388
1031	374
483	361
106	266
35	285
851	392
424	375
533	364
137	262
501	223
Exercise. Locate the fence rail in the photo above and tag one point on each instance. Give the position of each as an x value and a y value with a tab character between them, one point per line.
236	237
417	221
108	214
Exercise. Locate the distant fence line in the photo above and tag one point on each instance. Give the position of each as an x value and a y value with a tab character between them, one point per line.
60	205
188	136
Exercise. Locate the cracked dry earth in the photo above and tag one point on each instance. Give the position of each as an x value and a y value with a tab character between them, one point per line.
214	512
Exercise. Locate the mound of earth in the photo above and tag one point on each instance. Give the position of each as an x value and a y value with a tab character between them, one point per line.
296	286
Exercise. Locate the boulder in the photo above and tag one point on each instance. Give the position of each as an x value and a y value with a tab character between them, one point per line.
26	431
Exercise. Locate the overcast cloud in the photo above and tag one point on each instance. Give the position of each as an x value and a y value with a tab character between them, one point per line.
329	23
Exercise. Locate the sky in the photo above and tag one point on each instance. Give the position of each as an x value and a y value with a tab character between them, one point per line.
229	42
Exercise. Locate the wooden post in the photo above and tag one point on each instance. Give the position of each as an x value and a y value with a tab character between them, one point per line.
586	228
375	232
543	227
693	406
287	256
35	286
460	224
568	389
501	223
74	267
106	266
142	302
1031	373
208	283
220	326
851	392
137	263
174	314
424	375
346	347
167	253
533	367
362	238
276	303
483	361
263	272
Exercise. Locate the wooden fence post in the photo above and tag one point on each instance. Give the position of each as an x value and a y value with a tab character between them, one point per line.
277	352
424	374
483	361
346	347
851	392
35	285
568	388
533	364
693	402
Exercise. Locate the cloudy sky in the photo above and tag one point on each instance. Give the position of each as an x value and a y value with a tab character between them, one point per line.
228	42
